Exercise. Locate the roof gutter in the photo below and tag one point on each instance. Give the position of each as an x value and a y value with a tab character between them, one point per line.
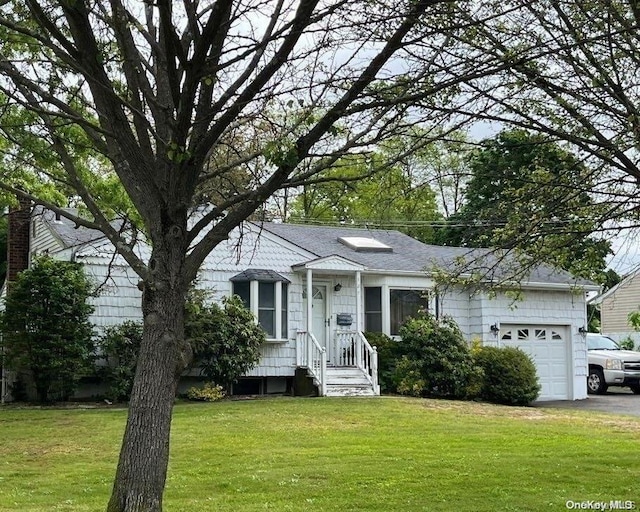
506	284
556	286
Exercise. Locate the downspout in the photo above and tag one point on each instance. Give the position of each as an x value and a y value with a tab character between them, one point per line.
359	312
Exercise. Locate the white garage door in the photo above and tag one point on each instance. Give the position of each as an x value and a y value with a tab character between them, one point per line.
548	347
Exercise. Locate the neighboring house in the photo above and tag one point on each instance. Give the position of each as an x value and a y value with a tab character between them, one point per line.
316	290
616	304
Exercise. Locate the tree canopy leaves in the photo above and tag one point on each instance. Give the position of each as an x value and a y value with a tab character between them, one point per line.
531	194
356	193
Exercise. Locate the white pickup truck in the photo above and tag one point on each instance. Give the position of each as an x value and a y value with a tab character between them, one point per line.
609	365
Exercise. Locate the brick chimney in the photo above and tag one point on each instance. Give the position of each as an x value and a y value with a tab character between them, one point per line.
18	238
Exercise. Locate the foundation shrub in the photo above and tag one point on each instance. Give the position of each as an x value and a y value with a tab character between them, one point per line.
510	376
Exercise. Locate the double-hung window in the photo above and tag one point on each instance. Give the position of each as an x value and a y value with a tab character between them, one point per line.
373	308
265	293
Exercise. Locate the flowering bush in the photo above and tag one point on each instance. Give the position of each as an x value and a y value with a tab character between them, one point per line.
208	393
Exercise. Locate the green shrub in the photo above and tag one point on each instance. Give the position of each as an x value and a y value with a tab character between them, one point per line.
208	393
438	352
388	354
627	343
47	336
509	376
119	346
409	379
225	340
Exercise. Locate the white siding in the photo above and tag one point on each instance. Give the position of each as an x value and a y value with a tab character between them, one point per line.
119	299
44	242
455	303
277	360
548	308
344	301
253	250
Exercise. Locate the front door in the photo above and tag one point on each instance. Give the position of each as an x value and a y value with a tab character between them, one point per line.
319	318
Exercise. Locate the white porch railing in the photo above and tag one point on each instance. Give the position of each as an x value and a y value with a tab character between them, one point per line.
353	349
310	355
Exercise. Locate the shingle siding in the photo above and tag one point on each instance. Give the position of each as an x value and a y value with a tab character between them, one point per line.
119	299
537	307
45	242
253	250
276	361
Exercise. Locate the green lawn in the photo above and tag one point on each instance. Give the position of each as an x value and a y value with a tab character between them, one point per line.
386	454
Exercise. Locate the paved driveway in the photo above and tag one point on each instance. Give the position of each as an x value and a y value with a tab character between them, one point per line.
617	401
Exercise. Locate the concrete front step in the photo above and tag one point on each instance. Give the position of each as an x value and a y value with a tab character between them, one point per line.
344	371
348	382
349	390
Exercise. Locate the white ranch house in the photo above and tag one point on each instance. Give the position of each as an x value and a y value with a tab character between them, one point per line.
358	280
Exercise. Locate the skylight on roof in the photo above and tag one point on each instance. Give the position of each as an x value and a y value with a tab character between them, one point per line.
364	244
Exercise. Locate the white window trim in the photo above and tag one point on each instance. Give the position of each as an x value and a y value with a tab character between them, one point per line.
385	297
429	292
253	301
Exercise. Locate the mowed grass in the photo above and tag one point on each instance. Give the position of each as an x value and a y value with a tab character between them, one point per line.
353	454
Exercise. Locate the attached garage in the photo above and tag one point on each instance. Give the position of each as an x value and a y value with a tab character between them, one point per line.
549	347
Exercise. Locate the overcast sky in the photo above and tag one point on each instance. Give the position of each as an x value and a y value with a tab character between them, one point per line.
626	247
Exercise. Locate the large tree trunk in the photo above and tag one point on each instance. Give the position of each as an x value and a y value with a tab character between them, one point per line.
142	468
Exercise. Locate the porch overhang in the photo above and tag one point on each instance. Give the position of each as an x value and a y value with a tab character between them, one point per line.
330	264
335	265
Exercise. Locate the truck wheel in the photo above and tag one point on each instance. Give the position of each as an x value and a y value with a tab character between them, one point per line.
595	382
635	388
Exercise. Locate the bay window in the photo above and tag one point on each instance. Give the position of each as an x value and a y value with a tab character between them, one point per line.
265	293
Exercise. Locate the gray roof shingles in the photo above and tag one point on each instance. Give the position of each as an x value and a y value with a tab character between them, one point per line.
70	234
408	255
411	255
263	275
